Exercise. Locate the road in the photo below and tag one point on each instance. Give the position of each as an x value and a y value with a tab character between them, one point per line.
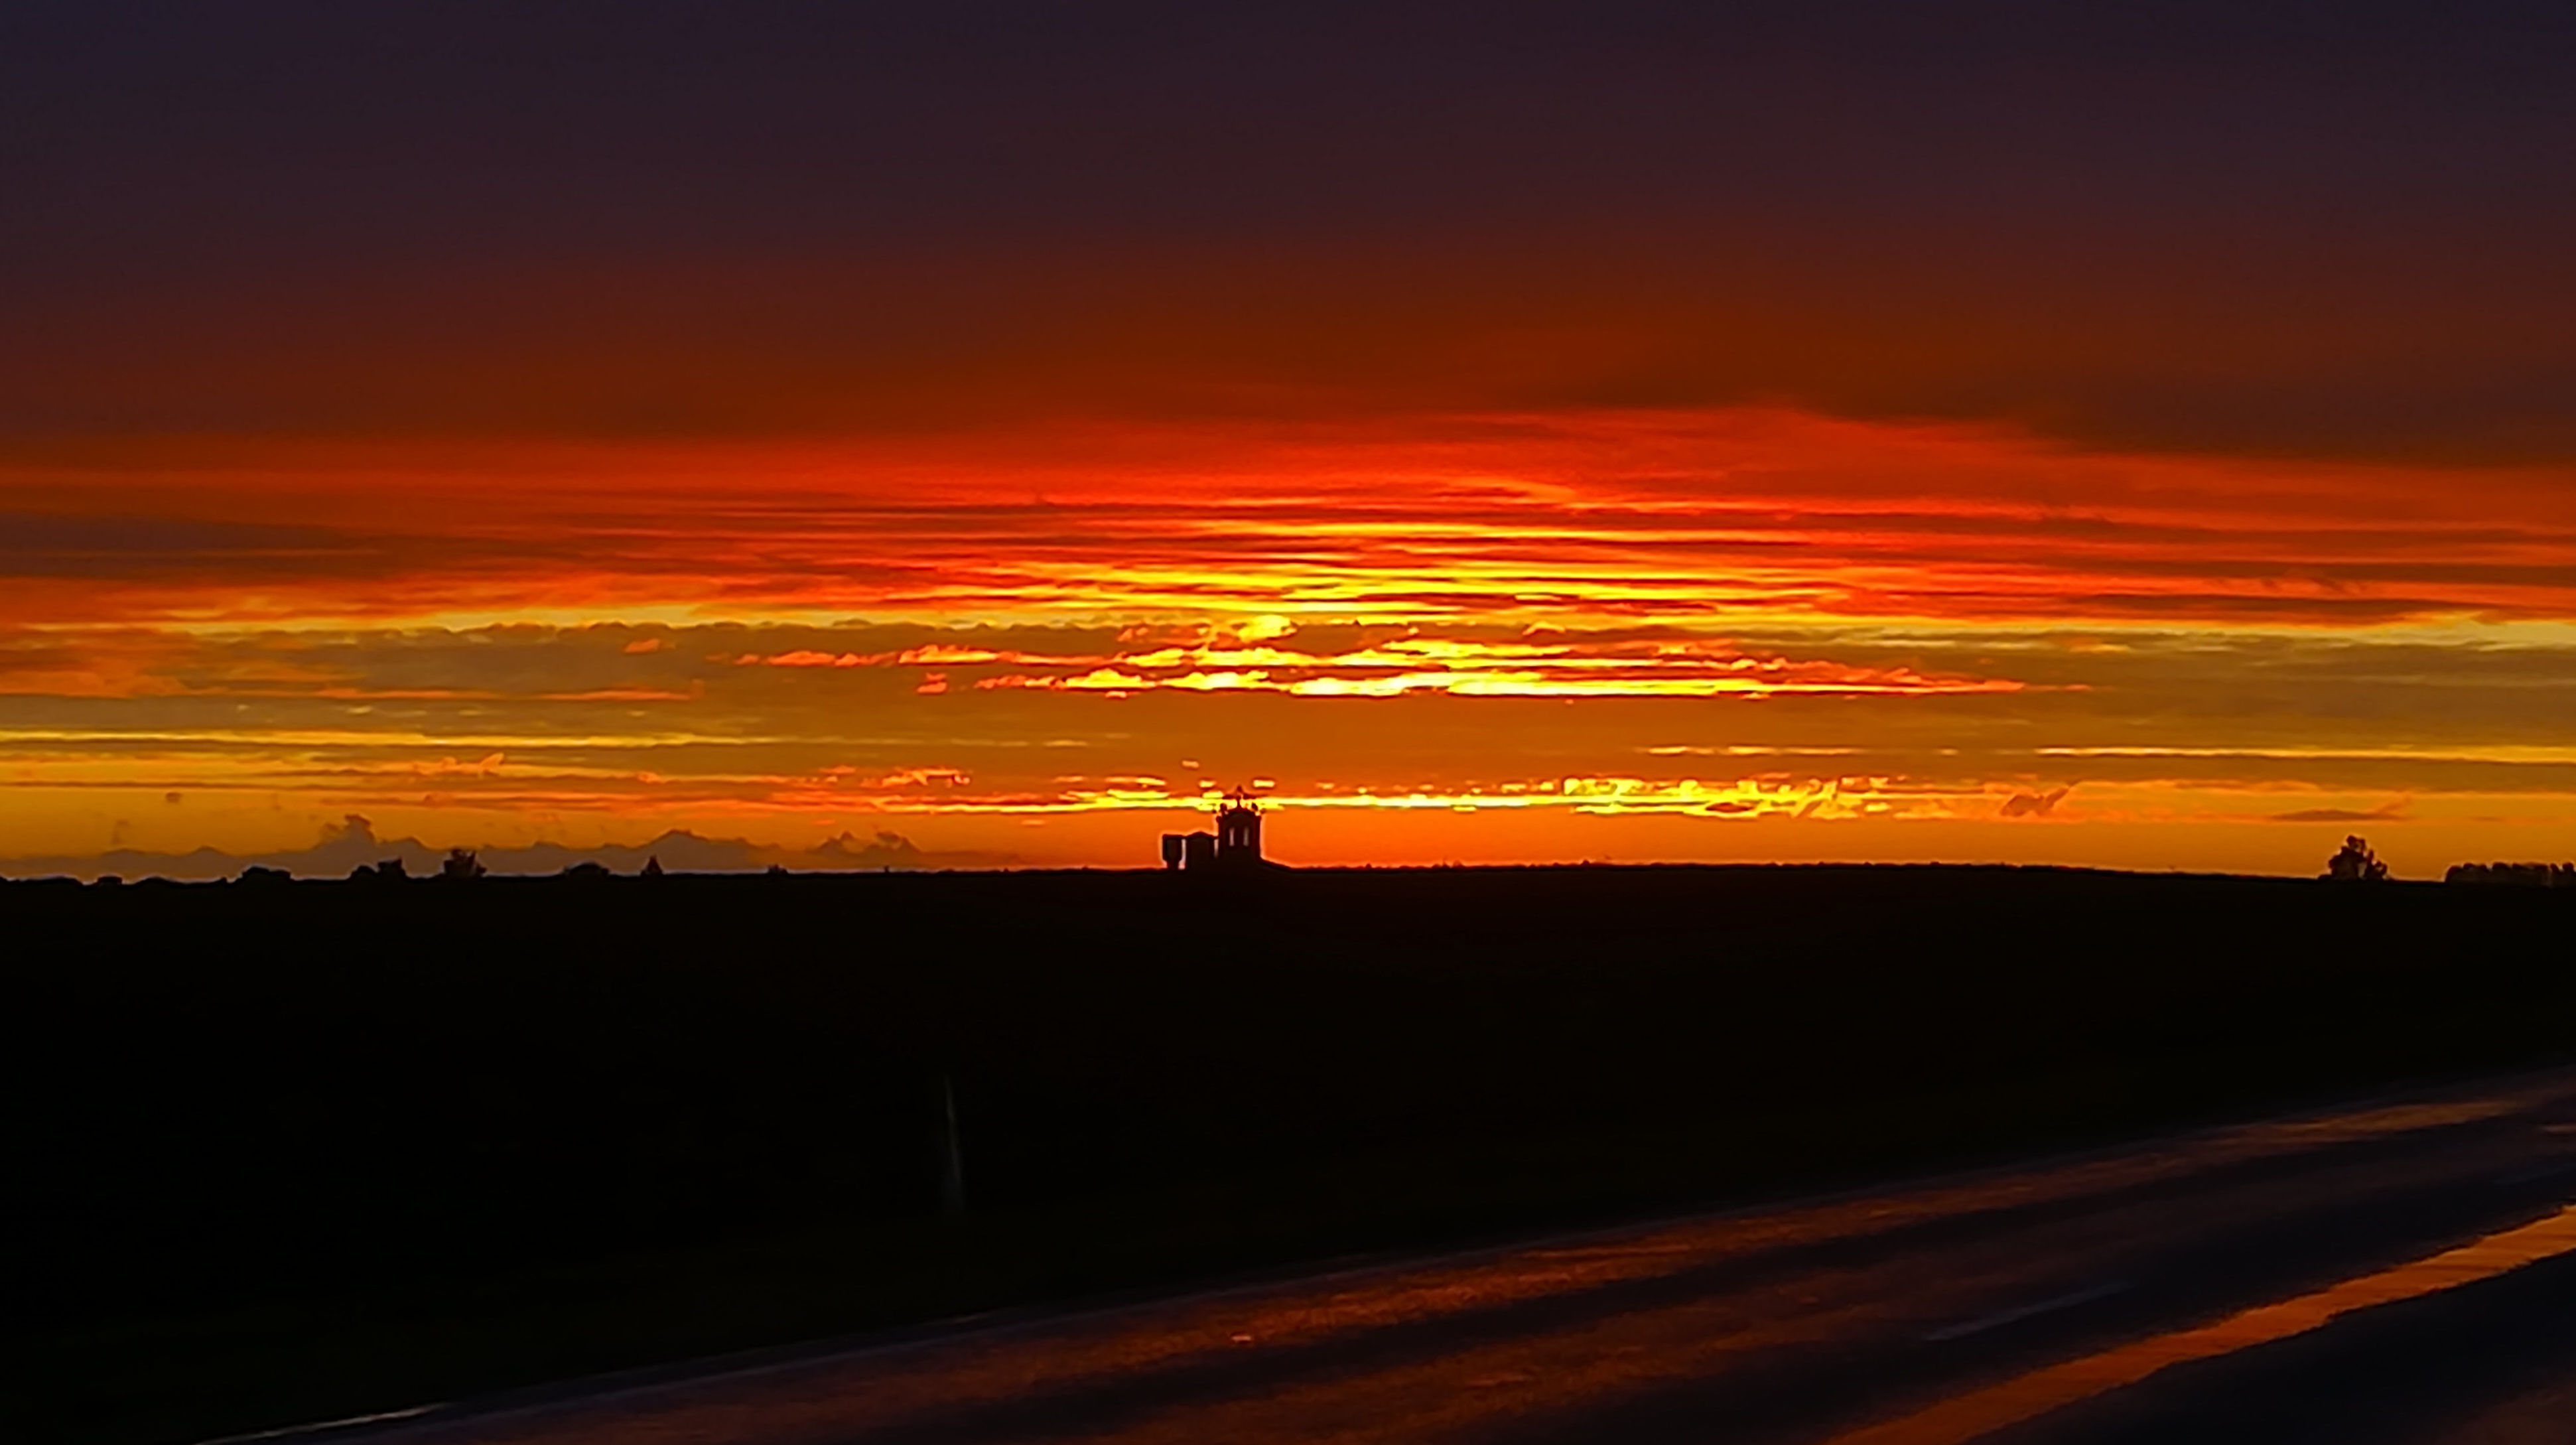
2399	1271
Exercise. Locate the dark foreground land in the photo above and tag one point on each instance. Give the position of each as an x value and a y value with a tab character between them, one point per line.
287	1151
2394	1271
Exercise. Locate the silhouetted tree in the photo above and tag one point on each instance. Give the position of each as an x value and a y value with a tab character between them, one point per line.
2355	863
586	869
461	863
257	874
390	870
653	866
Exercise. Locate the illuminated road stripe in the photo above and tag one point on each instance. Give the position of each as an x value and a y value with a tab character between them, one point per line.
1966	1417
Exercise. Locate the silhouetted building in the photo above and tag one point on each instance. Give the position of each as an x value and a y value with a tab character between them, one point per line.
1236	843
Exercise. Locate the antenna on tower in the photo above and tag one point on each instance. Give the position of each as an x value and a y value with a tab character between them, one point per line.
1236	843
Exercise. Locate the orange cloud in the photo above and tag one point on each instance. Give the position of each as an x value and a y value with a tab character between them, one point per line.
1577	515
1764	616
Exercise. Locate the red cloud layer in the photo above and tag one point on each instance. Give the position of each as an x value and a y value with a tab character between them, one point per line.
1623	514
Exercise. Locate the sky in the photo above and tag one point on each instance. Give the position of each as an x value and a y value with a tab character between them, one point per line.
2135	435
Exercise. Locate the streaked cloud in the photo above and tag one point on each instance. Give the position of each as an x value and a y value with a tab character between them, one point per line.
1572	516
526	734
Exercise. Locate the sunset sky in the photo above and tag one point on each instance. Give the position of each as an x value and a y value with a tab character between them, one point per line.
2139	435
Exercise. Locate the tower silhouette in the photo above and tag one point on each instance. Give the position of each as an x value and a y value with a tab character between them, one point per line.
1238	830
1236	844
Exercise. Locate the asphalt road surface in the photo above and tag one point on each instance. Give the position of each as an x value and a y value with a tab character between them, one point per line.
2399	1271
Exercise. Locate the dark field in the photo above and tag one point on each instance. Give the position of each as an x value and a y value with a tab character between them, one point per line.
285	1151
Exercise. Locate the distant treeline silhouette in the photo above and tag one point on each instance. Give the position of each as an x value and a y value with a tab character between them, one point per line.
2354	862
2525	875
353	843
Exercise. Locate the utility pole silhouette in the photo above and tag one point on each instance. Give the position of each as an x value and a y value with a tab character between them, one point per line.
952	1171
